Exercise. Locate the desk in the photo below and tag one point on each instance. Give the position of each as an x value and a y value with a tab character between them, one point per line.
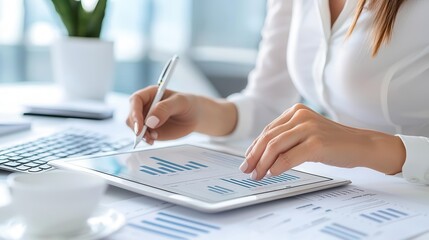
361	177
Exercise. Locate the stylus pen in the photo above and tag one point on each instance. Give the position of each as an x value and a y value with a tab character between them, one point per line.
163	80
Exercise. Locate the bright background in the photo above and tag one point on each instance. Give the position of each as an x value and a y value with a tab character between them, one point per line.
220	37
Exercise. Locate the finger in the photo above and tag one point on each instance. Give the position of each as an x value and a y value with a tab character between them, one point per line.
250	148
149	141
136	119
282	119
139	105
294	157
258	149
287	115
153	134
165	109
279	145
244	165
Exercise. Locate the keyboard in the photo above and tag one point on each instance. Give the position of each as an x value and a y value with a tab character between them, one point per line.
33	156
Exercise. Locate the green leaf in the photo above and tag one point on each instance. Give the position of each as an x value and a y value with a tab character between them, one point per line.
95	22
79	22
83	16
65	10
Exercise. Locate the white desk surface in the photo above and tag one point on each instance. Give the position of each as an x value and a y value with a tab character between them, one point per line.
11	96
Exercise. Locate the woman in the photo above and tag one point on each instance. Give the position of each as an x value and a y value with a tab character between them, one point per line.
366	63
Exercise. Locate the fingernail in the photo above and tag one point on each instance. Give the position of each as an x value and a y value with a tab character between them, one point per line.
269	174
152	121
243	166
136	128
254	175
154	134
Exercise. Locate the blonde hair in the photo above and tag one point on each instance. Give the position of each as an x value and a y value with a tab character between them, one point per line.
385	12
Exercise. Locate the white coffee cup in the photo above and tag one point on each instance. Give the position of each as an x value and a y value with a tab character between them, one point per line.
55	203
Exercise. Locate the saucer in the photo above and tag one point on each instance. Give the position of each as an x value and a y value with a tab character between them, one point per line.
102	223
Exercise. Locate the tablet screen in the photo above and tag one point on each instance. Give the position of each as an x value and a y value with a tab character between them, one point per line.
197	172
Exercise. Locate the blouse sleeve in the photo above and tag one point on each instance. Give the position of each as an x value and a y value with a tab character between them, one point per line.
416	166
269	90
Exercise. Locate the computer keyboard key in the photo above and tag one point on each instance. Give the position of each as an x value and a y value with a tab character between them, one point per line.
2	157
26	154
4	161
11	154
39	162
12	164
47	159
72	152
44	167
25	160
16	158
31	164
36	169
46	154
31	149
58	150
62	155
22	151
90	151
33	158
23	168
41	150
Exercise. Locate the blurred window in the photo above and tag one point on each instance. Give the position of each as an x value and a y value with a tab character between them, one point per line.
144	32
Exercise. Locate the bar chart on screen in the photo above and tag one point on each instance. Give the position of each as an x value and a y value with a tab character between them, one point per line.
196	172
220	190
224	185
163	166
249	183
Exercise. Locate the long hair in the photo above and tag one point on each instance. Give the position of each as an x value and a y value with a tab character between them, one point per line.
385	12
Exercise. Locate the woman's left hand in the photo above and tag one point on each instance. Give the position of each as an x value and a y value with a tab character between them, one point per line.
300	135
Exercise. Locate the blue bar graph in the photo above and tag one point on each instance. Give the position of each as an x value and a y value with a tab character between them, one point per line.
249	183
384	215
198	164
342	232
168	167
173	226
220	190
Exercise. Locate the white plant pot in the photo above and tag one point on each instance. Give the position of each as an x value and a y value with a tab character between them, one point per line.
84	67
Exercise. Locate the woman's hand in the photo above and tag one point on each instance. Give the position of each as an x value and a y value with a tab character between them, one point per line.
173	117
179	114
300	135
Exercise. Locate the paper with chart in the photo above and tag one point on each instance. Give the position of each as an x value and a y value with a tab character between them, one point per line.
194	171
342	213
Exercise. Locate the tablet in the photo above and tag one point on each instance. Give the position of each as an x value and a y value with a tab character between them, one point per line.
200	178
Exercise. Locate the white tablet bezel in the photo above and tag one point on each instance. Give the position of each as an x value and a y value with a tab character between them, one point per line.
191	202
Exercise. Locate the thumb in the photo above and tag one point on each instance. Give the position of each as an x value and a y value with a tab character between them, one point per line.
165	109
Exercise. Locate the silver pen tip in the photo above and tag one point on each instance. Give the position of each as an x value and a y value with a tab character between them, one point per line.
135	143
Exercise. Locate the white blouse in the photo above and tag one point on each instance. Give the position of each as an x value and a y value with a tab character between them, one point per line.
302	56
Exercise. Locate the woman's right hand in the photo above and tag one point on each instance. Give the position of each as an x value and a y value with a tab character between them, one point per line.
175	116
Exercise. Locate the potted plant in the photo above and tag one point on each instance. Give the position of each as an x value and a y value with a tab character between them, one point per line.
83	64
